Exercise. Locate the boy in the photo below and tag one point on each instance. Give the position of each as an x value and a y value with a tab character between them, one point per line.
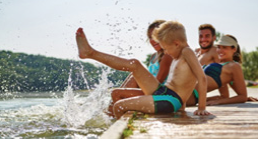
184	73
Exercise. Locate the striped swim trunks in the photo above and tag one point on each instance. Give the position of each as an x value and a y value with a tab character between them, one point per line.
166	100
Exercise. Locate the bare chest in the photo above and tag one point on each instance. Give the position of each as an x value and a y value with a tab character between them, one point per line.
180	71
205	59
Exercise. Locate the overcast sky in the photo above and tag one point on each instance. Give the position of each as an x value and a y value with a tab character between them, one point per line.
117	26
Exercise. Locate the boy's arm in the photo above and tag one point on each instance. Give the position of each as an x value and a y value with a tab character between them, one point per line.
195	66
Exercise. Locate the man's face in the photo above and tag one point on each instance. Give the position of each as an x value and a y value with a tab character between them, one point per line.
206	39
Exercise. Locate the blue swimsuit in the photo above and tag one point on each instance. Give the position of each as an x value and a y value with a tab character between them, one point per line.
213	70
166	100
153	68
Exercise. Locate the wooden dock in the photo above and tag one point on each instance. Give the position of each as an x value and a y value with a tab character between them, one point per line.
232	121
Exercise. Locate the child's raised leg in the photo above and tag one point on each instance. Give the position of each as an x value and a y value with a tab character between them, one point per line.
146	81
143	104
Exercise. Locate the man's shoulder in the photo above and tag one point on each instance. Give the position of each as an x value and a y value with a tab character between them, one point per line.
211	51
197	50
213	48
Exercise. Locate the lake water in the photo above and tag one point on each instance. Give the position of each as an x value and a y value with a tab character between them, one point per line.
60	115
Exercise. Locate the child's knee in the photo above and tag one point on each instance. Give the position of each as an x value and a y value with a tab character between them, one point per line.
135	63
117	107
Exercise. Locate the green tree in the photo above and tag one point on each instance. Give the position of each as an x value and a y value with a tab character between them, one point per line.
20	72
250	64
218	36
146	62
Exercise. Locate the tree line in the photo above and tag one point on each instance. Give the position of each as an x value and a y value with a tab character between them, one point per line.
250	64
21	72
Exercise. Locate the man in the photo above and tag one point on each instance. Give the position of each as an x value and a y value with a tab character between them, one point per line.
207	52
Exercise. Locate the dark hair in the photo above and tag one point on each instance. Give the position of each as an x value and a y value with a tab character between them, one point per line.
208	26
150	28
237	55
153	25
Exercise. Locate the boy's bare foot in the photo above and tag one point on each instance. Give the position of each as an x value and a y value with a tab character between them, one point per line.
84	49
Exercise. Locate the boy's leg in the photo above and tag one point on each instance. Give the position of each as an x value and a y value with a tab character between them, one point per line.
146	81
143	104
121	93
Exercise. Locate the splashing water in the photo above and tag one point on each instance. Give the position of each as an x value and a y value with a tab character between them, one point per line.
76	115
89	110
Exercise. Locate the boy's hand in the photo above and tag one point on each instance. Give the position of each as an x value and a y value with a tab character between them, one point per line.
201	112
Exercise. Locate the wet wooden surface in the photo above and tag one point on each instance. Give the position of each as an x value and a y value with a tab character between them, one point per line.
233	121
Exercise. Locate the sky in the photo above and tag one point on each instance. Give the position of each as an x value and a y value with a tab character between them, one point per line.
117	26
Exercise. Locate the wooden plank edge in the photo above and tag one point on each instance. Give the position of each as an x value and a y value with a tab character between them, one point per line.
115	130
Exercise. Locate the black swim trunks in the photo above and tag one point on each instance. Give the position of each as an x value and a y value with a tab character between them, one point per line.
166	100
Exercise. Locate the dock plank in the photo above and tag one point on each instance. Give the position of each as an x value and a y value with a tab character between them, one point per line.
233	121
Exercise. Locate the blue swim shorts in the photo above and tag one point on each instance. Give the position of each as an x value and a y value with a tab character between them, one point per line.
166	100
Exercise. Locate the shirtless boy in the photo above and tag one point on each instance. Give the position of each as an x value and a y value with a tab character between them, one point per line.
185	72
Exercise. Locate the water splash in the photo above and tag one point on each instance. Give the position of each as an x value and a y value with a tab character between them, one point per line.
77	115
88	110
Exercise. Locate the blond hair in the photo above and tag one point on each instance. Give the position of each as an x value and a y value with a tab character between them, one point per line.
169	31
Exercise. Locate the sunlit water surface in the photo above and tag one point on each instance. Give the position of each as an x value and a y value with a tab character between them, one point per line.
50	115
